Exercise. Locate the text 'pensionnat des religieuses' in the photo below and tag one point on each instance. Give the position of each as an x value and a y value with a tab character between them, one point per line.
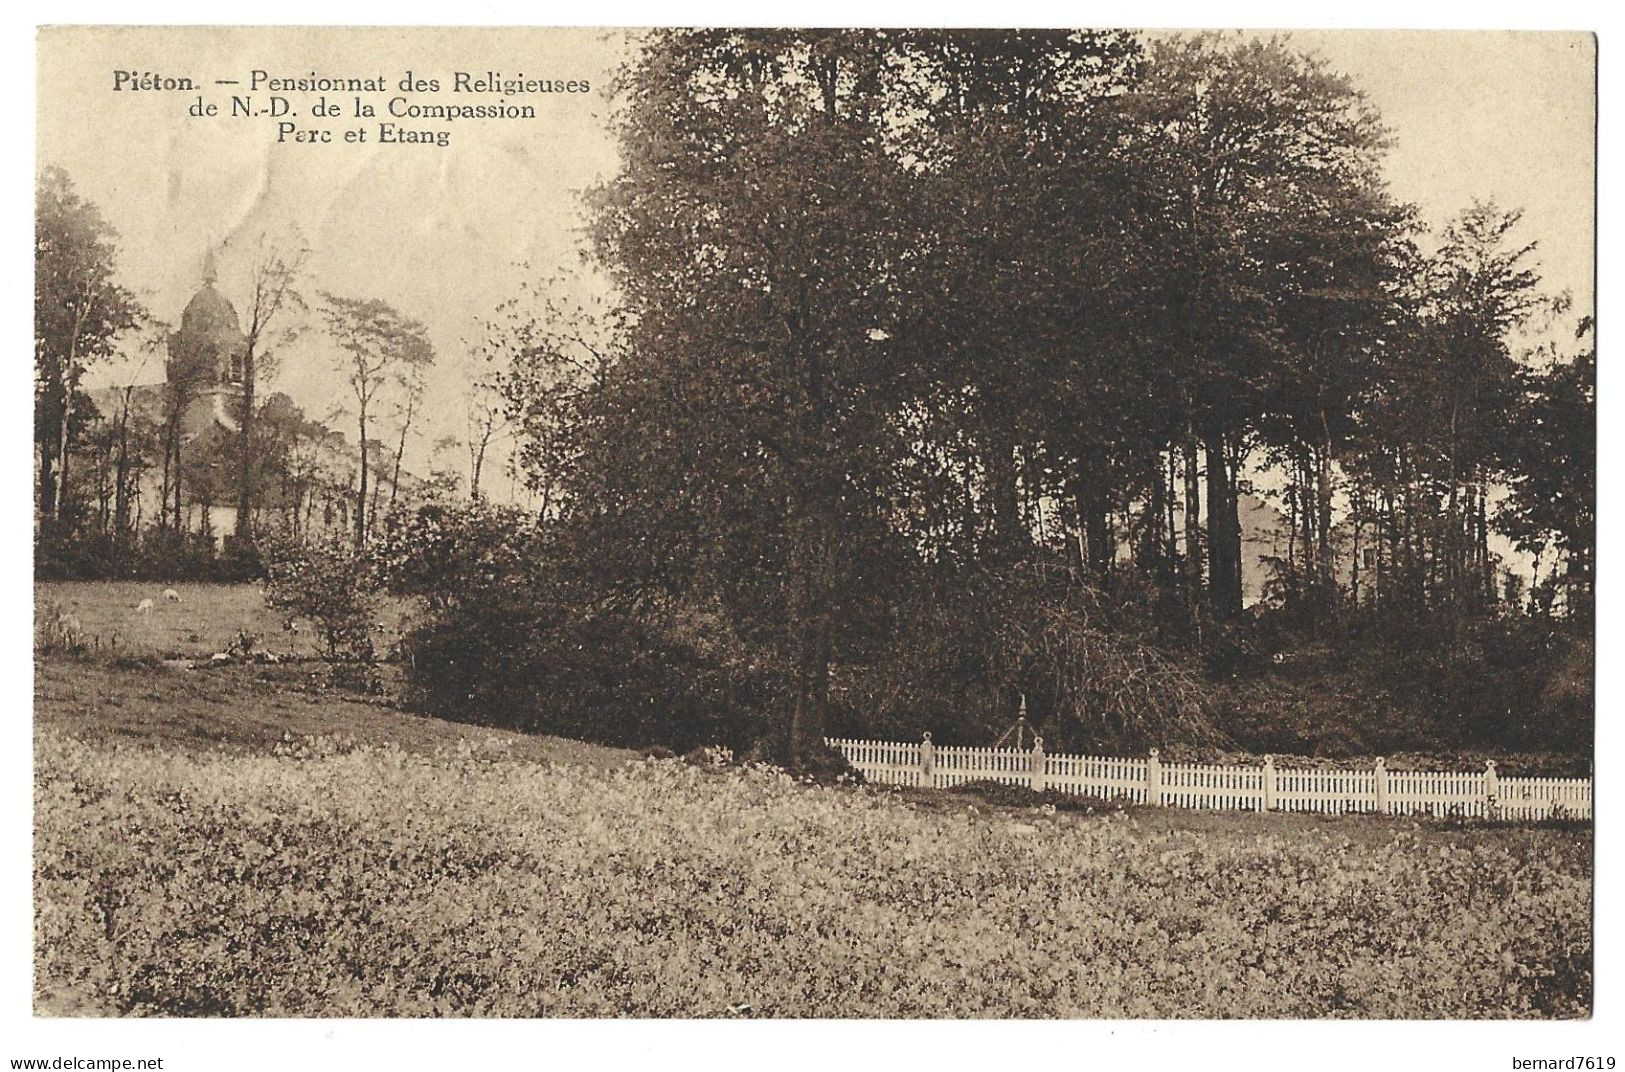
315	109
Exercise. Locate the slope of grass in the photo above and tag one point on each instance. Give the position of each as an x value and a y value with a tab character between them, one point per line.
250	709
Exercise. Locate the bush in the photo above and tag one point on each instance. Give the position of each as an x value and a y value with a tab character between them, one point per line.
240	561
1500	685
64	552
452	553
330	583
506	638
966	651
534	661
56	631
67	550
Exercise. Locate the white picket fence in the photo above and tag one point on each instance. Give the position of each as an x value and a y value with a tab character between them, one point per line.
1481	794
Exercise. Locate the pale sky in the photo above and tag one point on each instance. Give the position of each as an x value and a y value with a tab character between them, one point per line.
436	231
1490	114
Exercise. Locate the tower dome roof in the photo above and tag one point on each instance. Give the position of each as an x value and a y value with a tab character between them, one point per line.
209	315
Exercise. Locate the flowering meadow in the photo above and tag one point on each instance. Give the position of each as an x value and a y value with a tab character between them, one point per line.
324	879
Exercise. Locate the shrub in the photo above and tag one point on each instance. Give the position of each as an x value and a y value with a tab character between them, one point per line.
70	550
966	651
533	659
452	553
240	560
507	638
1021	796
1500	685
330	583
62	550
56	631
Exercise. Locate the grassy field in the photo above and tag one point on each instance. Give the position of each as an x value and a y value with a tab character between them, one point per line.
226	842
206	620
245	709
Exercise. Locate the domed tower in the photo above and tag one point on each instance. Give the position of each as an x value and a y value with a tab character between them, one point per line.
207	352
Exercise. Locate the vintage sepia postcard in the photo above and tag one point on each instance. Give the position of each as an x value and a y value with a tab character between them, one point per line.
823	524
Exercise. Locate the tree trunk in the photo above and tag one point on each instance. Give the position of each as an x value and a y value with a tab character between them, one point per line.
400	453
244	528
968	520
1327	574
477	463
1005	502
799	612
121	490
180	517
60	506
47	481
1223	532
361	495
1354	559
70	380
1193	529
1098	529
823	623
1149	551
1171	530
163	487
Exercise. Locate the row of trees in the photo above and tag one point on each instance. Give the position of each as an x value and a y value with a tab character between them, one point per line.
898	310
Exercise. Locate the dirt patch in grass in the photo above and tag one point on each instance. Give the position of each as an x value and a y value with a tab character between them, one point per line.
1570	841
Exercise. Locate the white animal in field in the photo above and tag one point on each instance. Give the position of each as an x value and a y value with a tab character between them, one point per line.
144	607
172	595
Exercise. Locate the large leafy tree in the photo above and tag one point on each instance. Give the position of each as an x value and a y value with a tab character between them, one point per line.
1482	289
1550	457
760	235
1257	156
1334	329
1019	316
544	356
79	315
895	311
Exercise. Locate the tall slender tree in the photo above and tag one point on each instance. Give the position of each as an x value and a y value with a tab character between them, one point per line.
375	342
274	300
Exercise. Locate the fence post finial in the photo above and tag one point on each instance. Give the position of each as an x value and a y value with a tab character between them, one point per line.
1153	779
1380	777
1492	790
928	762
1037	776
1269	783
